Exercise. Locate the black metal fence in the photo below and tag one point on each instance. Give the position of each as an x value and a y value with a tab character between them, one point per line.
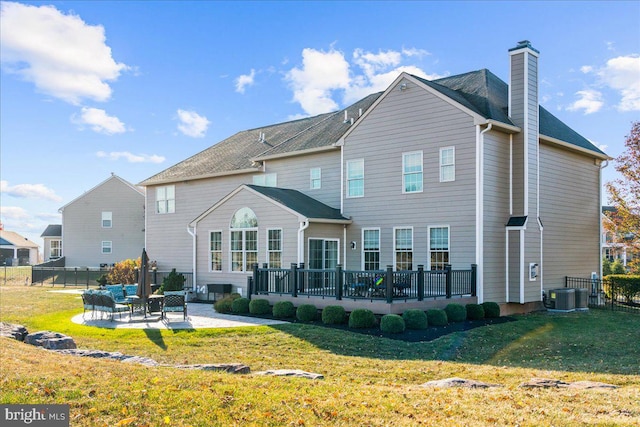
608	294
385	285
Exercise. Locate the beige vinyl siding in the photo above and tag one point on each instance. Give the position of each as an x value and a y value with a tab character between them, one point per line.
408	121
269	216
168	241
570	212
82	231
496	214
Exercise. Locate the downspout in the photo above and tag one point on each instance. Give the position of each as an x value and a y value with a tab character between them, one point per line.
344	246
480	212
604	165
303	226
193	255
510	210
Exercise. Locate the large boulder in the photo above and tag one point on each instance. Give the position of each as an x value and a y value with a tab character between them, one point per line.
9	330
50	340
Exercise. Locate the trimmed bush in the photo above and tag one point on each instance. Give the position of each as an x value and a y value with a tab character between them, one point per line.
333	315
456	312
625	285
259	306
475	312
362	318
437	317
225	305
392	324
283	310
240	305
491	310
307	313
415	319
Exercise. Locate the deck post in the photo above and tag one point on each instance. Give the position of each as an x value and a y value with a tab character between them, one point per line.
474	280
339	281
447	269
256	284
420	282
294	279
389	284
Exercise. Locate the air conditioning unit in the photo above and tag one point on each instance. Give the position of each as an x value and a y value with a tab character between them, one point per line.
563	299
582	299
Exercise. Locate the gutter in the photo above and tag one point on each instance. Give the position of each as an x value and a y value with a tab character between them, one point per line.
303	226
193	256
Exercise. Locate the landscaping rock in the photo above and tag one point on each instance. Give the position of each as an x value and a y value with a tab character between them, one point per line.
458	382
109	355
292	373
50	340
9	330
231	368
551	383
591	385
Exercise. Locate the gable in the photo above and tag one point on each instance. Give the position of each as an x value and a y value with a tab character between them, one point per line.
105	186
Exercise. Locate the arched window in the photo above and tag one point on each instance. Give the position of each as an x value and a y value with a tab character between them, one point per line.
244	240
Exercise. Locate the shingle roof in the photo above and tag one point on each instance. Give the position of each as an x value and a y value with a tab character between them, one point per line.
480	91
52	230
14	239
300	202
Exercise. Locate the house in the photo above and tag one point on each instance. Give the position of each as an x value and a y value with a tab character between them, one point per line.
615	244
17	250
463	172
105	225
52	238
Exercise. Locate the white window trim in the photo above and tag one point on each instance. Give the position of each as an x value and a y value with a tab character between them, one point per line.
269	251
107	244
221	251
244	249
166	200
348	180
262	179
311	178
395	229
404	186
443	165
107	216
363	252
429	228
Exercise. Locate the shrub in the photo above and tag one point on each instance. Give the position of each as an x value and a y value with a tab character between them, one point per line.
456	312
225	305
415	319
625	285
333	315
173	282
123	272
362	318
491	310
283	310
259	306
307	313
392	324
240	305
475	312
437	317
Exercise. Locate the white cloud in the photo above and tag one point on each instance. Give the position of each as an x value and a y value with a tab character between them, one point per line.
590	101
623	74
324	76
14	213
586	69
130	157
29	191
192	124
60	54
245	80
99	121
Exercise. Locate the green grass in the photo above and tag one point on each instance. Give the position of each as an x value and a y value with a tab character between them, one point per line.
368	380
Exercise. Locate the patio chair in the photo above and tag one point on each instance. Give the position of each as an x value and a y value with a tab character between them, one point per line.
106	303
174	302
88	302
118	293
130	290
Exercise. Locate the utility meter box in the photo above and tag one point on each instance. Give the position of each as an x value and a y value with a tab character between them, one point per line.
562	299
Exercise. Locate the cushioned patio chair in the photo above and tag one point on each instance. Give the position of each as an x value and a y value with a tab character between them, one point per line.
106	303
130	290
88	302
118	293
174	302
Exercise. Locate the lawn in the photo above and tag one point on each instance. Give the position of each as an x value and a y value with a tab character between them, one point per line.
369	381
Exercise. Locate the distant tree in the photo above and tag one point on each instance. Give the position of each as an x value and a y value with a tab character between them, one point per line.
624	193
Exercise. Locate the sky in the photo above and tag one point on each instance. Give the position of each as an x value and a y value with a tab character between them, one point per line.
90	88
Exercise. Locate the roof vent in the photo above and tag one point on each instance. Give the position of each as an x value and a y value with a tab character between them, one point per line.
262	138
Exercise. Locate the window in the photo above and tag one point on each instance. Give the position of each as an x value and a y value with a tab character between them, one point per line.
274	248
447	164
215	247
438	247
266	180
107	246
371	248
315	177
166	199
55	251
106	219
412	172
355	178
403	248
244	240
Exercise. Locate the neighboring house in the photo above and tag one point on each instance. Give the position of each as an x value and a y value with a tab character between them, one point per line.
16	249
52	237
616	245
105	225
457	171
